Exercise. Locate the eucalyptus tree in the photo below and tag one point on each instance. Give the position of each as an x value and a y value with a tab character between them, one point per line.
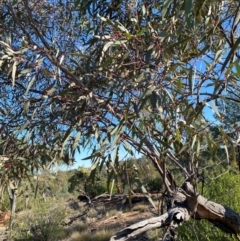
113	75
231	121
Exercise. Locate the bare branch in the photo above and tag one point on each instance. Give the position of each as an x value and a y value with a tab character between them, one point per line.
173	218
177	162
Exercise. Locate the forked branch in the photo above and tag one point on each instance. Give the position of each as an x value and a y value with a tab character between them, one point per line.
173	218
189	204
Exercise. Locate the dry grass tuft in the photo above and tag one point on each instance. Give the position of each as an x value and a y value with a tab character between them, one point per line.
102	235
113	212
78	227
154	234
140	207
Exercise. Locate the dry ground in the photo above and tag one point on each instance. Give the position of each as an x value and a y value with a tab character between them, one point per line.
106	217
101	219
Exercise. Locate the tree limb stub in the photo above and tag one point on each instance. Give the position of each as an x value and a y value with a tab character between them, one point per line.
221	216
173	218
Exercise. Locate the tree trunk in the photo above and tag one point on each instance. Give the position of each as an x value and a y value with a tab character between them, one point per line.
12	189
187	204
172	218
13	203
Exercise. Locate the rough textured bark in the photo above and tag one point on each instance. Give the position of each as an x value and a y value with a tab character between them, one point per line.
188	204
174	217
221	216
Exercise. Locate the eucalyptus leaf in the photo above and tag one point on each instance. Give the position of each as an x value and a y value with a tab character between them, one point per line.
14	69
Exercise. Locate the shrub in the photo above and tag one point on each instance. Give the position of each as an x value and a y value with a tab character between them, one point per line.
42	223
4	202
80	181
155	184
224	190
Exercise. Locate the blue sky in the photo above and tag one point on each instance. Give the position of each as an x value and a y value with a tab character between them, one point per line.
87	163
208	113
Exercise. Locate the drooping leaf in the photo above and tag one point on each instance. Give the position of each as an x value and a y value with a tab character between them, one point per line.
26	107
166	5
76	141
230	54
14	69
190	80
30	84
214	107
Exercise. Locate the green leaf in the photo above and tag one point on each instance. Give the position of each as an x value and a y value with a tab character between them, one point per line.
116	138
226	150
127	147
48	92
23	127
105	48
112	186
77	2
214	107
120	42
116	129
216	59
121	27
140	144
237	19
144	98
65	139
188	9
11	185
170	95
116	156
143	9
230	54
237	68
30	84
140	77
26	107
190	80
166	34
25	71
153	100
186	146
194	140
198	148
76	141
166	4
36	190
94	154
144	191
14	69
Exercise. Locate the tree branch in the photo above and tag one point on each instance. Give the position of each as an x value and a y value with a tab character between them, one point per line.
174	217
189	204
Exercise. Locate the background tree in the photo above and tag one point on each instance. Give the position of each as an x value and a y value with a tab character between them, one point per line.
122	75
229	108
81	184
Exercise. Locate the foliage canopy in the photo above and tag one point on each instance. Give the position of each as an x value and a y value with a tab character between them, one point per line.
108	75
